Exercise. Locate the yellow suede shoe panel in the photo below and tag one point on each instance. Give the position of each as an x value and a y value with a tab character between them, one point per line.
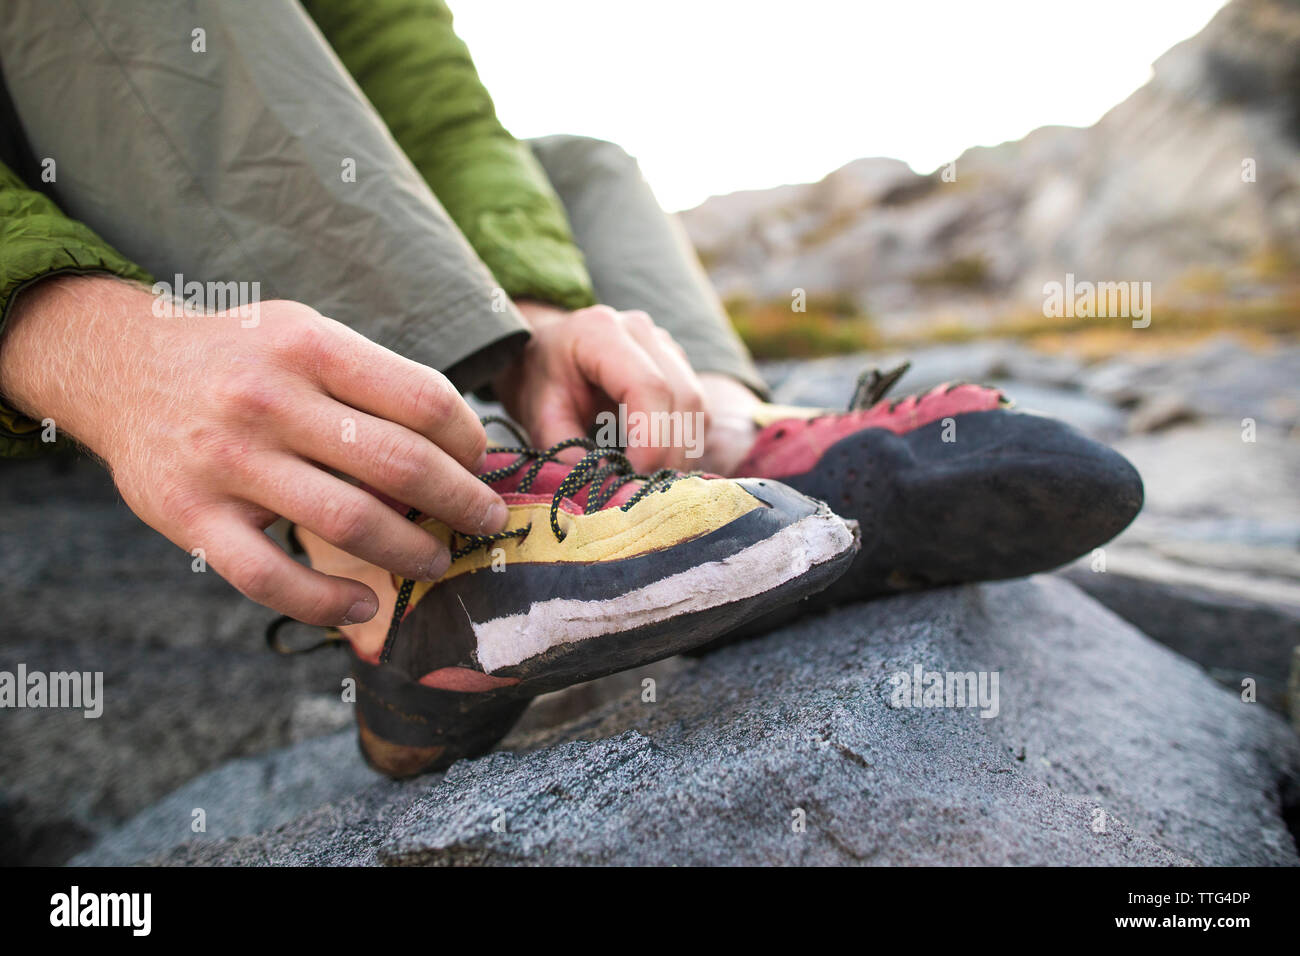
691	507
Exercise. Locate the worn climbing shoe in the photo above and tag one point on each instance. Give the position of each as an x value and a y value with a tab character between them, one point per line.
598	570
948	486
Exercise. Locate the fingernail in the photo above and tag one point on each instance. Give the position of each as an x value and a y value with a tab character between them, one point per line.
361	611
495	519
438	566
482	464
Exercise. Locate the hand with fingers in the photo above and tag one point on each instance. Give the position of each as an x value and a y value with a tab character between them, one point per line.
579	364
212	426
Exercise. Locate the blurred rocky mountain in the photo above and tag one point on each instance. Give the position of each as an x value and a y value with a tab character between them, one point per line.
1192	180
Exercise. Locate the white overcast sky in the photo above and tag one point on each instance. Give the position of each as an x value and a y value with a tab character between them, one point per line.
717	95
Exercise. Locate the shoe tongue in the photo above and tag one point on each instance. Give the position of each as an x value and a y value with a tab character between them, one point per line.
548	480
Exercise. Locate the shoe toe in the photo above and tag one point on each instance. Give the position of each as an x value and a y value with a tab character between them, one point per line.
1098	490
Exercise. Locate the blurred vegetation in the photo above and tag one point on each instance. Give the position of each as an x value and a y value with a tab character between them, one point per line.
1279	317
1274	264
964	272
827	327
772	330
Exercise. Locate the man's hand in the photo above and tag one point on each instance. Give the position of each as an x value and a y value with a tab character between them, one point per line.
212	425
578	364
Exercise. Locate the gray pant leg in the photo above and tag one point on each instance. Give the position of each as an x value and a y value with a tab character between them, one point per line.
637	255
229	164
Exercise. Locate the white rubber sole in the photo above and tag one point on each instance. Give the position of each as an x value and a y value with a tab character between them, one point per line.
761	567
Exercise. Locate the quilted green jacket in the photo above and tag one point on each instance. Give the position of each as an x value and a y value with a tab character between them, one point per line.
488	181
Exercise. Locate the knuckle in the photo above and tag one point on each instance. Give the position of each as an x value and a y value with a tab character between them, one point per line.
344	520
639	320
398	464
251	575
246	391
435	397
258	399
304	336
229	387
222	449
600	317
283	309
180	503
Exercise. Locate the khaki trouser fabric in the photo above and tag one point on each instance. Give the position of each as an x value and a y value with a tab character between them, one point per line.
233	164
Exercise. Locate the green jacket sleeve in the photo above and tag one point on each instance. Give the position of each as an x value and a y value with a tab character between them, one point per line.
420	78
36	241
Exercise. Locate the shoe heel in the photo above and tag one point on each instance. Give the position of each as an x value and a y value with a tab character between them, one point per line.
405	729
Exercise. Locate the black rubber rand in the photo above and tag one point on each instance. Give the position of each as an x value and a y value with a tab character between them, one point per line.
1011	494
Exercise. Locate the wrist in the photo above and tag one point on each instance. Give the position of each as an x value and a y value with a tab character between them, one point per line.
56	352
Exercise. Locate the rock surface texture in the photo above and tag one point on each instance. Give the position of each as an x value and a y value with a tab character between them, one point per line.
1106	748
